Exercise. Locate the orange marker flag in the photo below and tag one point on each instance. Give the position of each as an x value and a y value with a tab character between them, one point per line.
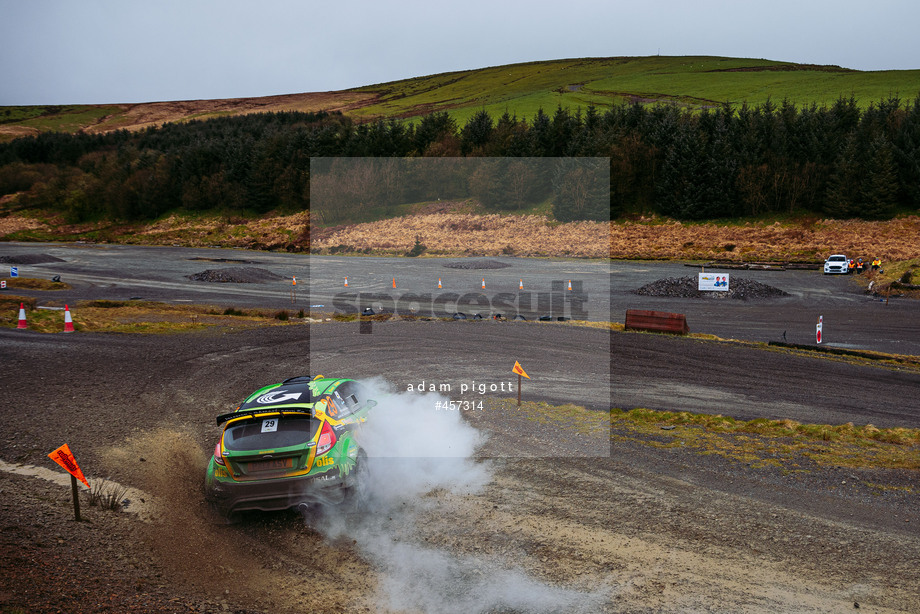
63	457
519	369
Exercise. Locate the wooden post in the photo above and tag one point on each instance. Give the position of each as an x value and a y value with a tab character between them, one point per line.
519	389
76	497
64	457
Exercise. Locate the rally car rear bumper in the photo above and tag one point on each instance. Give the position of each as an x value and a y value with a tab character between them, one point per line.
229	497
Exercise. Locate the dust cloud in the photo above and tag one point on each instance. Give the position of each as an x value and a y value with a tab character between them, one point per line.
419	456
184	535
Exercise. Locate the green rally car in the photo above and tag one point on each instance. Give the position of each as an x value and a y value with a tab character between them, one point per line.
289	444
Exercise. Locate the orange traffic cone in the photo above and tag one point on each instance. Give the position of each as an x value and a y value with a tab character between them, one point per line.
439	282
22	316
346	282
394	282
68	321
521	285
570	285
483	283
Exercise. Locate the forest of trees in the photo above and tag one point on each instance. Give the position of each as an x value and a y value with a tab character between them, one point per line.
837	161
342	188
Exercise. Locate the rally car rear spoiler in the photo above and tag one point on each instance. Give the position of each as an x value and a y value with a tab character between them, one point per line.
252	413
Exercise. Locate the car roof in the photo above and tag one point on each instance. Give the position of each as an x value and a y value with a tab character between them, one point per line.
294	395
297	391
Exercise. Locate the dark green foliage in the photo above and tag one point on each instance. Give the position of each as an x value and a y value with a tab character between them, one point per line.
722	162
581	189
508	183
476	134
698	173
418	249
906	142
256	163
864	181
880	190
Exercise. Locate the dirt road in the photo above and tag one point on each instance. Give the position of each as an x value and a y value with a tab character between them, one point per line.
544	516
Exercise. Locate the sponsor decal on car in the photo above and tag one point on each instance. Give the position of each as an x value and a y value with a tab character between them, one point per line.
278	396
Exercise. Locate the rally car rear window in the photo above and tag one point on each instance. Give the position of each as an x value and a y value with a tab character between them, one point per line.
269	433
349	397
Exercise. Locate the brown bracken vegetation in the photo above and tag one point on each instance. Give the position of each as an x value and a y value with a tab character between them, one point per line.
454	234
645	238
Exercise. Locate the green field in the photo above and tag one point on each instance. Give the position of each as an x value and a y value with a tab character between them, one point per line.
523	89
65	118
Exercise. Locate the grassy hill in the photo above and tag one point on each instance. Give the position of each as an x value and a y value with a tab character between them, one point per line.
520	89
693	81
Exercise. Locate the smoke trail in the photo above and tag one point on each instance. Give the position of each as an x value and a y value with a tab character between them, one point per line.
414	449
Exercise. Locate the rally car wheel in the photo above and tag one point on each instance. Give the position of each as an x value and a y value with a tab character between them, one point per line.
361	472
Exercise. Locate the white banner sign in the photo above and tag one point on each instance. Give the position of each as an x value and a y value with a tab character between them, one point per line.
713	282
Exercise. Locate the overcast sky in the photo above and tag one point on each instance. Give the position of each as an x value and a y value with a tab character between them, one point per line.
102	51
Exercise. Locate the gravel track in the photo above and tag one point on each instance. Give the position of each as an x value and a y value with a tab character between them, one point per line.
638	529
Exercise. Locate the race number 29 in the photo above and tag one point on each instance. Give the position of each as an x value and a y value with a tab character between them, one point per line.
270	425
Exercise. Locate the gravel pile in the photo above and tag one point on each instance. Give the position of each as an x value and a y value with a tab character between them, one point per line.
236	275
686	287
29	259
477	264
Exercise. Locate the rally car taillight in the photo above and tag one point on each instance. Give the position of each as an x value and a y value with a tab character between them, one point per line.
218	457
326	439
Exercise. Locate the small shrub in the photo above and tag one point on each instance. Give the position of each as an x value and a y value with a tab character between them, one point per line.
281	315
107	495
418	249
232	311
300	314
898	436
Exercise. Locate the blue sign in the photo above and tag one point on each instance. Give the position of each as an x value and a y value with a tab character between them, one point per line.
14	271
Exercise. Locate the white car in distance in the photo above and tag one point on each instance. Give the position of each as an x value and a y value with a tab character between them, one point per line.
836	264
